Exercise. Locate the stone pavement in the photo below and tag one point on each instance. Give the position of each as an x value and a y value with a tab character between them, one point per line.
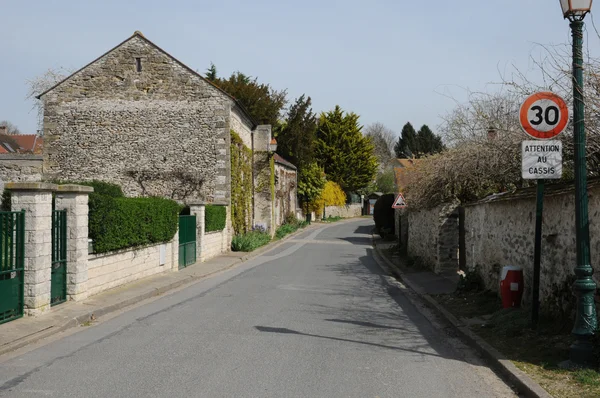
423	281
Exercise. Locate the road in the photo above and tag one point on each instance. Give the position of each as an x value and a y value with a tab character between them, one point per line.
315	317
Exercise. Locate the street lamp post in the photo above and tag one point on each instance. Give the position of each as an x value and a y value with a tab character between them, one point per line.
581	352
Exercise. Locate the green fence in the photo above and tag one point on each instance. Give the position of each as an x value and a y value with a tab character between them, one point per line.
58	285
12	262
187	240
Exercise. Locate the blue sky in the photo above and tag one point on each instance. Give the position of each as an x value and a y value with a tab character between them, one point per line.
387	60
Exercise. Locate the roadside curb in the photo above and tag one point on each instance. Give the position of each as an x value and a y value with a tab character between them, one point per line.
505	367
159	291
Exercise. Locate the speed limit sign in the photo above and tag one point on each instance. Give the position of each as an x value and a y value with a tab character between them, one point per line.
544	115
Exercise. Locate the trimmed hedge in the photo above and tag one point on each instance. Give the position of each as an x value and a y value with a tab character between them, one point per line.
121	223
215	218
383	215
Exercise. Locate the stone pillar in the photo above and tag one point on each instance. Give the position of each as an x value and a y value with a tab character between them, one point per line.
74	199
199	209
263	200
36	199
226	241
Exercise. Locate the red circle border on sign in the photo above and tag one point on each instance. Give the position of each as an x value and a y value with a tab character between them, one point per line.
544	135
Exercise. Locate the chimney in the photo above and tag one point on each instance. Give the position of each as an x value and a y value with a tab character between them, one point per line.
492	133
3	130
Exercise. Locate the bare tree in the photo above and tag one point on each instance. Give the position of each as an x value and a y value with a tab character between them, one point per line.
383	138
11	128
41	83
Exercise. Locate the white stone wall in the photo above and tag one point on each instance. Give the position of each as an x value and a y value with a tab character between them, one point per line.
349	211
213	244
242	126
110	270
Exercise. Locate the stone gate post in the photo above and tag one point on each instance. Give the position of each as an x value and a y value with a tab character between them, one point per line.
36	199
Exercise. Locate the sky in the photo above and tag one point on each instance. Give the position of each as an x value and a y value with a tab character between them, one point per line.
390	61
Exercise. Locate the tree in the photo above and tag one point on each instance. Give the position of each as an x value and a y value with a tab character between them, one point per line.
386	181
211	73
383	141
311	182
331	195
261	101
345	154
407	145
427	142
42	83
10	128
295	139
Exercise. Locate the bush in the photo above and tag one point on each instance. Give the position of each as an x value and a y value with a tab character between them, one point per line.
119	223
291	218
383	215
249	241
215	218
6	200
285	229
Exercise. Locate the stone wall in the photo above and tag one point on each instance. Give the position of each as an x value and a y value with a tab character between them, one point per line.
433	237
161	131
242	126
20	168
348	211
286	192
501	232
110	270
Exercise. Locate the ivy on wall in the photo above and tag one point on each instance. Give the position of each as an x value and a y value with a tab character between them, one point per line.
241	184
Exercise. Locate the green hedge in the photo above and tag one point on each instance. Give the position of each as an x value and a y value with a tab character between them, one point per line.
120	223
215	218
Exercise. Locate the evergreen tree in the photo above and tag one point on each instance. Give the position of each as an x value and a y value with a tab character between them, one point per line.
211	73
429	143
407	145
345	154
295	139
263	103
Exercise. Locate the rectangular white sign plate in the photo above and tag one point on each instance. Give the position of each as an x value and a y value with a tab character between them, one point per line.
541	159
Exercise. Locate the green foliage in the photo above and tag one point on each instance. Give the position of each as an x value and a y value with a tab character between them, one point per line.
344	153
291	225
103	188
263	103
417	145
383	214
6	200
407	146
120	223
249	241
386	181
470	281
241	185
211	73
428	142
215	218
295	140
311	182
333	218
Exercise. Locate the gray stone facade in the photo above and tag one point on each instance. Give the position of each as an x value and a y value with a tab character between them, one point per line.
139	118
20	168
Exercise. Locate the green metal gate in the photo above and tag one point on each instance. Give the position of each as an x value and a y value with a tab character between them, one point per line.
12	262
58	284
187	240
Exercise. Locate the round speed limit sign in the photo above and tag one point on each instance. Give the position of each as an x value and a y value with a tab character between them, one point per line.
544	115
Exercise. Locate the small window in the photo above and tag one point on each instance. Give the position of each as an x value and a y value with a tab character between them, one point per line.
138	64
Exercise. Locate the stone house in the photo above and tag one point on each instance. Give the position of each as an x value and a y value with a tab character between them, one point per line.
138	117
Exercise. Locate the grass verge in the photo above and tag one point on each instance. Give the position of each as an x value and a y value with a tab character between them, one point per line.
535	352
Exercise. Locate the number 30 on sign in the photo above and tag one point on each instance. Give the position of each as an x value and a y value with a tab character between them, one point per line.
544	115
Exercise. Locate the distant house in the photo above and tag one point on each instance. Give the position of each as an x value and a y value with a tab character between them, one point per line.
31	144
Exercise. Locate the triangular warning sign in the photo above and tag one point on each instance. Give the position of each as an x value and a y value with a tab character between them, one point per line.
400	202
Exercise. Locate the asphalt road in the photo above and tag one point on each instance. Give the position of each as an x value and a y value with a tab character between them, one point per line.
315	317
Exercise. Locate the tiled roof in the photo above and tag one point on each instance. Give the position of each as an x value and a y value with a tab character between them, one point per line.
280	160
21	143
